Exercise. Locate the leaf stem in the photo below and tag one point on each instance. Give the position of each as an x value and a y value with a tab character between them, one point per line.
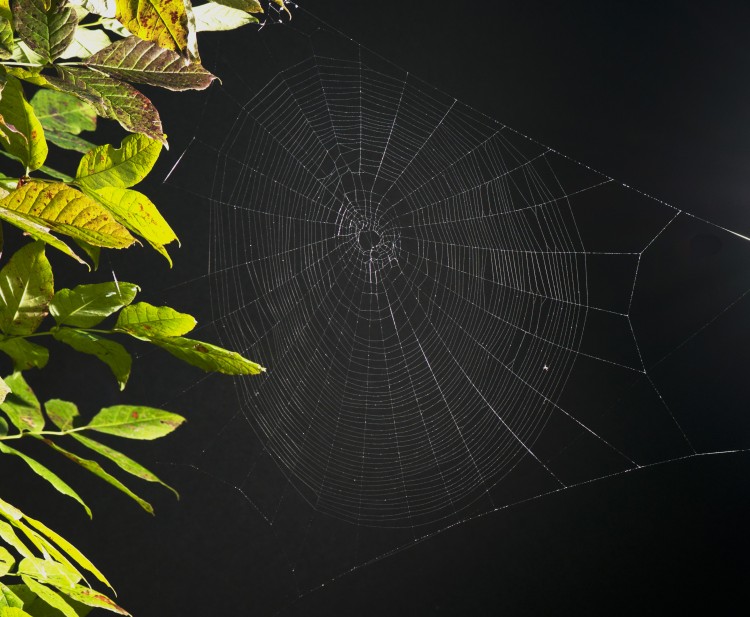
43	433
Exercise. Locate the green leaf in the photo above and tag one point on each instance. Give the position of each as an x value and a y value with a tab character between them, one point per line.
115	26
6	561
48	571
26	288
99	471
69	549
49	596
85	306
145	321
107	166
87	41
4	391
10	537
251	6
36	607
30	74
3	422
45	473
166	22
137	213
125	463
212	17
22	406
38	231
111	353
135	422
47	26
6	39
58	111
62	413
91	597
67	211
208	357
145	62
27	141
8	599
112	99
25	354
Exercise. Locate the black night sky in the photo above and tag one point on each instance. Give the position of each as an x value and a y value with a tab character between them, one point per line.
655	95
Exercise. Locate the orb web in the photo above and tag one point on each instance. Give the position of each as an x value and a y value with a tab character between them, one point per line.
455	318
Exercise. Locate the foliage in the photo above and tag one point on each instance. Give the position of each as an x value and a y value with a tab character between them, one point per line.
64	66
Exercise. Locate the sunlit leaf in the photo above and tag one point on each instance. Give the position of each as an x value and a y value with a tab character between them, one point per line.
47	26
100	472
38	231
112	99
6	561
115	26
26	288
45	473
111	353
212	17
103	8
125	463
4	391
85	306
69	549
10	537
93	252
86	41
139	214
145	62
145	321
30	74
48	571
123	167
166	22
49	596
208	357
91	597
26	142
251	6
25	354
22	406
135	422
67	211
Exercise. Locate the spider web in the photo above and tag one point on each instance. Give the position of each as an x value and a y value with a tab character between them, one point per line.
455	318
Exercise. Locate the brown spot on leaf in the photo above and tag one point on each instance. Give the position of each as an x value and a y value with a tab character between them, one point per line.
201	348
134	415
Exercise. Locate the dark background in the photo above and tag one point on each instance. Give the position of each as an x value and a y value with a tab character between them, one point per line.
656	95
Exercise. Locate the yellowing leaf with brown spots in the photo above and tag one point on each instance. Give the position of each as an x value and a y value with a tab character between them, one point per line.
67	211
169	23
